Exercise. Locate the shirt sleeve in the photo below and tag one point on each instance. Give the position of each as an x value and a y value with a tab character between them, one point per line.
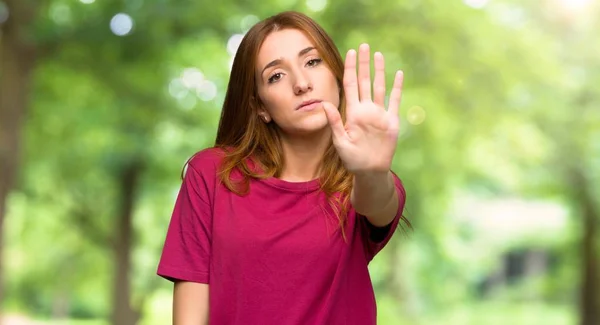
376	238
187	249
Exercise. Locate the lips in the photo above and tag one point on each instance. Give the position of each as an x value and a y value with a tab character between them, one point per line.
308	102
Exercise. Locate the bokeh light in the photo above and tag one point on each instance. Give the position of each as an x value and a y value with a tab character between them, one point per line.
576	11
416	115
247	22
574	5
192	82
477	4
177	89
233	43
192	78
121	24
4	14
207	91
316	5
60	13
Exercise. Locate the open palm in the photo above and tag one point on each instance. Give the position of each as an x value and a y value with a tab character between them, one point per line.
368	139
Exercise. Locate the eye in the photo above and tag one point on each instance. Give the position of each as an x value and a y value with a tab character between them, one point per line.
314	62
274	77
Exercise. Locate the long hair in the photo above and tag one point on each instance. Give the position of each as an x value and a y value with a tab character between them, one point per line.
249	143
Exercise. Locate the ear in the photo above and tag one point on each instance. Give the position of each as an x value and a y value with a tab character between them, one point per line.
262	112
264	115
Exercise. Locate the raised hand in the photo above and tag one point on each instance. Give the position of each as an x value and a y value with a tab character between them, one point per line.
367	142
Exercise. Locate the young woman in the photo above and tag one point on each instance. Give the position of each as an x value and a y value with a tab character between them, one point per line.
277	223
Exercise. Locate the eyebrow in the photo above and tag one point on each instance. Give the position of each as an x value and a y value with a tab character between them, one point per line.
278	61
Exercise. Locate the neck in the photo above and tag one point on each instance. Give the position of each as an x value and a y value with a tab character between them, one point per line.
303	155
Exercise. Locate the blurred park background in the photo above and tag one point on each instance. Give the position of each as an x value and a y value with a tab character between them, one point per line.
102	102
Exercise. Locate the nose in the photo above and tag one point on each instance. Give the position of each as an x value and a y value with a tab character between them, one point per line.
302	84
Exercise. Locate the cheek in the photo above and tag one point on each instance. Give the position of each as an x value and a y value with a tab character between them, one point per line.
273	100
331	81
333	86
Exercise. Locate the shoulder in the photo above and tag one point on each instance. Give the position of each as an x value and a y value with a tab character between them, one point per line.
206	160
200	173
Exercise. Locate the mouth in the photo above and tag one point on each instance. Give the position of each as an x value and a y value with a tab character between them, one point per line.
308	103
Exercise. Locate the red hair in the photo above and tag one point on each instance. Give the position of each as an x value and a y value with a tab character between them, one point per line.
249	142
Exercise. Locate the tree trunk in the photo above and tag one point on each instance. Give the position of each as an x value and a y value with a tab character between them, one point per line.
17	58
122	313
61	304
392	280
589	295
536	264
395	284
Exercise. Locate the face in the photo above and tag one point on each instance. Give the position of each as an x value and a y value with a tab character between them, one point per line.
292	79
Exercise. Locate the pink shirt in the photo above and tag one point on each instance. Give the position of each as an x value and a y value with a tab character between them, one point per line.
273	256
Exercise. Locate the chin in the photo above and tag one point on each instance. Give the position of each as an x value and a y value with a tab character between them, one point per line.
314	123
308	129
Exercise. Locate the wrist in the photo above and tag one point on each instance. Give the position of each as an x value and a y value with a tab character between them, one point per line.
372	174
378	183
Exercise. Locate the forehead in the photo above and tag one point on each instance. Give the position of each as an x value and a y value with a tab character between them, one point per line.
282	44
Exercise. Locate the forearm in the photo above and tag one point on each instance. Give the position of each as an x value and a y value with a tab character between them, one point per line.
190	303
374	195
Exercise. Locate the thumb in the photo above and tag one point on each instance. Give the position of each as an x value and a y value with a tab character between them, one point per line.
335	120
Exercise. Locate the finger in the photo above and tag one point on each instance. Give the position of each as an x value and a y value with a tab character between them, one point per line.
364	73
335	121
396	94
350	83
379	81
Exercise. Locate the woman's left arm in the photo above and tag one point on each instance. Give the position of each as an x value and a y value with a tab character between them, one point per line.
374	196
367	141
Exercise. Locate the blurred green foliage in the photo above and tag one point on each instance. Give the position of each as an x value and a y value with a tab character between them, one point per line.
500	118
